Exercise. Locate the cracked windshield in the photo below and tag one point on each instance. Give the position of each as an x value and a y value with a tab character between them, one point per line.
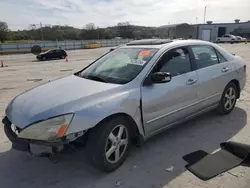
128	94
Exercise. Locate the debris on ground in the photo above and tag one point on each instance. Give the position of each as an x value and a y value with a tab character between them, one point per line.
66	70
53	158
35	80
170	169
7	88
118	183
222	174
2	65
232	174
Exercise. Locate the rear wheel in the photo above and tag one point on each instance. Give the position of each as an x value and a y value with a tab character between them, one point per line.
109	143
62	57
228	99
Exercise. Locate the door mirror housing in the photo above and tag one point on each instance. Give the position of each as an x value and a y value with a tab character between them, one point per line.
161	77
158	77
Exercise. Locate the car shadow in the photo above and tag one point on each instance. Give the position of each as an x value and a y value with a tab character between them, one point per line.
36	61
145	167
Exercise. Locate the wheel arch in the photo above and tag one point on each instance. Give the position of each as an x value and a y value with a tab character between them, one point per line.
134	126
237	83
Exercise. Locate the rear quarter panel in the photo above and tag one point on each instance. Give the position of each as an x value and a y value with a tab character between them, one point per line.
240	68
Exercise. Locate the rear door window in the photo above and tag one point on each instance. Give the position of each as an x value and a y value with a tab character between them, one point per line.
205	56
221	58
52	51
59	52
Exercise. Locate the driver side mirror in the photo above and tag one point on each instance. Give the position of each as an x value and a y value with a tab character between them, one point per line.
158	77
161	77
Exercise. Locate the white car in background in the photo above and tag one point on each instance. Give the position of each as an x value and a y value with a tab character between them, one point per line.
227	38
240	39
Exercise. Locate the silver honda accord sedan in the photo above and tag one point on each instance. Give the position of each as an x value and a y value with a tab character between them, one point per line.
126	96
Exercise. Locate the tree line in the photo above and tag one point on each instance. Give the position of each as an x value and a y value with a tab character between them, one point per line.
90	31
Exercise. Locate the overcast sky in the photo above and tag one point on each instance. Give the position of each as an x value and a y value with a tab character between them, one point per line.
20	13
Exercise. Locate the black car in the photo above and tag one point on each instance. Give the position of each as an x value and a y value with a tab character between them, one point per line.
52	54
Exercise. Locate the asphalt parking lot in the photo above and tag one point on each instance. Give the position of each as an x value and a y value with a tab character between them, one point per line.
146	166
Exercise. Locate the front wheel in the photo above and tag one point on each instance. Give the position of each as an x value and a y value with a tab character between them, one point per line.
108	144
228	99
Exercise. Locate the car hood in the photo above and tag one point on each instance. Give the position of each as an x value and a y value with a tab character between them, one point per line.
54	98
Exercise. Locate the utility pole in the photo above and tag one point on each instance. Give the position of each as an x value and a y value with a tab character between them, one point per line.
41	30
205	13
97	30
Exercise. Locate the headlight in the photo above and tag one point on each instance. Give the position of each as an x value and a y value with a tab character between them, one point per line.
49	129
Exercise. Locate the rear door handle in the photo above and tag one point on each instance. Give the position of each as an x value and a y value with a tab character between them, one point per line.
191	81
225	69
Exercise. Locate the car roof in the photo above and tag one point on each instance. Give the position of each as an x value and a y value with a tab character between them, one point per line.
149	42
164	43
56	49
180	43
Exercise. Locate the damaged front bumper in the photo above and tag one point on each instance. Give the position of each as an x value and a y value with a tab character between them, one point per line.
36	147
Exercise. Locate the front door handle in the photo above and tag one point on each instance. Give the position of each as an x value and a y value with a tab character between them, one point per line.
191	81
225	69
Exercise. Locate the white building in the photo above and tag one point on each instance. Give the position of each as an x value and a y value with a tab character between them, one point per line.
211	31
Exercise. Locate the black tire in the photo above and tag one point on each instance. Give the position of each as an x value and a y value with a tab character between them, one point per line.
98	139
43	58
226	109
63	57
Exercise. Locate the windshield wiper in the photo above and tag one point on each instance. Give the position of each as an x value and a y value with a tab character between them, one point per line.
96	78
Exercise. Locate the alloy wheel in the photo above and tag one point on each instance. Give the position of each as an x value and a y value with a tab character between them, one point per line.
230	98
116	144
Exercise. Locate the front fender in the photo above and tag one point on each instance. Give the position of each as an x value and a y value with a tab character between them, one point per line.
126	102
